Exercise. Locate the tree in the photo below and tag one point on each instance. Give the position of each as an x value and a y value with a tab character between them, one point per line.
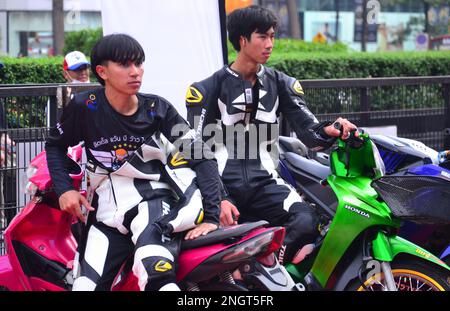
294	24
58	26
336	29
82	40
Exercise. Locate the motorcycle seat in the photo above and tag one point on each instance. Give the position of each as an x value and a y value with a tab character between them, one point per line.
227	234
311	167
292	144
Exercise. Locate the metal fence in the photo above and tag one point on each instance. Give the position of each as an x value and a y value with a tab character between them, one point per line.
26	114
419	107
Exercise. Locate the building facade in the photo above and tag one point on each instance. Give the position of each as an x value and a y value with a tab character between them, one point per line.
26	25
394	27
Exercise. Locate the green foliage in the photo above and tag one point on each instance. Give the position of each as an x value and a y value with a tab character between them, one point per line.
293	45
32	70
361	65
27	112
320	64
297	46
48	70
302	65
82	40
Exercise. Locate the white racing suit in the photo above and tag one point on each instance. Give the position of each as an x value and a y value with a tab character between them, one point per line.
143	186
138	201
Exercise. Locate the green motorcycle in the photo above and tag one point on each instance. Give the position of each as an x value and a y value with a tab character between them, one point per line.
359	248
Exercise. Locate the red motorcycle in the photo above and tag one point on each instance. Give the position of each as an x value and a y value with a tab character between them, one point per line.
40	247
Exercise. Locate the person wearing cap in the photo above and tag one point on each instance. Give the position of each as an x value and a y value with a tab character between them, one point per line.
76	67
6	144
7	160
75	70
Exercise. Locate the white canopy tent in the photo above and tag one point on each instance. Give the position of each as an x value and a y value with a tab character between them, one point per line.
182	41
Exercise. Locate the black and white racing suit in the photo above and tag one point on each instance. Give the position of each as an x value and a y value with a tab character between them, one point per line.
240	123
143	187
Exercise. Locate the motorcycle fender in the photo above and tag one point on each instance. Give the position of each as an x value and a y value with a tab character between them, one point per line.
387	248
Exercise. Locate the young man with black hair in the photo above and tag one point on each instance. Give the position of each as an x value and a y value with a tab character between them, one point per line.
236	111
137	200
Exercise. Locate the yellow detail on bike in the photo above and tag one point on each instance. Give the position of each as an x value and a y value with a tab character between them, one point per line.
403	273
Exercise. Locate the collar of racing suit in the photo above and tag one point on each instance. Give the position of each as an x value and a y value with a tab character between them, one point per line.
260	74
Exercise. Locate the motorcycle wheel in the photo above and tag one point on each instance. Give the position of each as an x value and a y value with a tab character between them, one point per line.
410	276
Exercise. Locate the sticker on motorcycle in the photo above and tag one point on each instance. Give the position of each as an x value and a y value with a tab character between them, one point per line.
355	210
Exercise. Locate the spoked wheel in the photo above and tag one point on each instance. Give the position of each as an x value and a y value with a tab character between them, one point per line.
410	276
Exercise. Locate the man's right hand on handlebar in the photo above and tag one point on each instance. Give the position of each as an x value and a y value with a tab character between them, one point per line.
71	201
229	214
345	127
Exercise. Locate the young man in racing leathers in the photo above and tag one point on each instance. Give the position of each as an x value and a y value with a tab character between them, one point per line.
236	110
142	188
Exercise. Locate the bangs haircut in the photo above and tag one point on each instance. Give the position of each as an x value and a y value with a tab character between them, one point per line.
245	21
118	48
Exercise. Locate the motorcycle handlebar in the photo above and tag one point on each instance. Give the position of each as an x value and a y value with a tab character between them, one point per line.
353	141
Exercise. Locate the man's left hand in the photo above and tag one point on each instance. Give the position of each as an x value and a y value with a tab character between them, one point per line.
202	229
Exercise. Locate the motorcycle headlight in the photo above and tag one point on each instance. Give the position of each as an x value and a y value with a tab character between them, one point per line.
379	169
29	187
31	170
